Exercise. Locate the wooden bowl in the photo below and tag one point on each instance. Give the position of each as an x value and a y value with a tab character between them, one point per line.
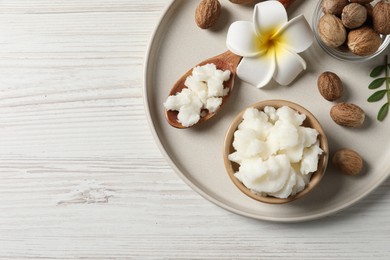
310	121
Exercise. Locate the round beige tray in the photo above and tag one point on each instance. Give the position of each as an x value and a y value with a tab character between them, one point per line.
196	154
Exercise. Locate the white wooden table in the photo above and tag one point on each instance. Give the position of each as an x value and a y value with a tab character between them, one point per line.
80	175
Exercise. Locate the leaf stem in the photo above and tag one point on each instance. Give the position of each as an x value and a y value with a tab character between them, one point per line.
387	78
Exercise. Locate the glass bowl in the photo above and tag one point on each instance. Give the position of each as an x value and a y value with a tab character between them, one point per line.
342	53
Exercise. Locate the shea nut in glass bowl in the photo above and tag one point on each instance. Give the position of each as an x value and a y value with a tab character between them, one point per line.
345	30
275	151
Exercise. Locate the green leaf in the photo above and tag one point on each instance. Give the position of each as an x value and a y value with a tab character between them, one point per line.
376	83
377	71
383	112
377	96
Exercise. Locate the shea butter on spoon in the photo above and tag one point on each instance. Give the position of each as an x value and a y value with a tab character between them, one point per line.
200	93
205	91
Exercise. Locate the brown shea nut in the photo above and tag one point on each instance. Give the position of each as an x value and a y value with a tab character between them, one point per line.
347	114
333	6
361	1
381	17
348	161
207	13
370	10
242	2
330	86
331	30
354	15
363	41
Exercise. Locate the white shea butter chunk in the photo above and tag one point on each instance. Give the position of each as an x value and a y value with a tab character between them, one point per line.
275	171
276	154
204	91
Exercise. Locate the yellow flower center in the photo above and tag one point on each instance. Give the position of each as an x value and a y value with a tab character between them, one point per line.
270	41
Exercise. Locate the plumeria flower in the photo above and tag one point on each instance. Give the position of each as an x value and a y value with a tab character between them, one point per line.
269	45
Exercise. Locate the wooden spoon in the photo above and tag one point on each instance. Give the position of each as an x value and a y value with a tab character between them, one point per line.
286	3
224	61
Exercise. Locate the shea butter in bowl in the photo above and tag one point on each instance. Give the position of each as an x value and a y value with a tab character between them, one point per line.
275	151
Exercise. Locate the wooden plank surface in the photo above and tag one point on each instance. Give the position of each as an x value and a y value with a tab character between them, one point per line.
81	176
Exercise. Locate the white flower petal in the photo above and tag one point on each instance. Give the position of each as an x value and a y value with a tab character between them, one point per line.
242	39
257	71
297	34
268	17
288	66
